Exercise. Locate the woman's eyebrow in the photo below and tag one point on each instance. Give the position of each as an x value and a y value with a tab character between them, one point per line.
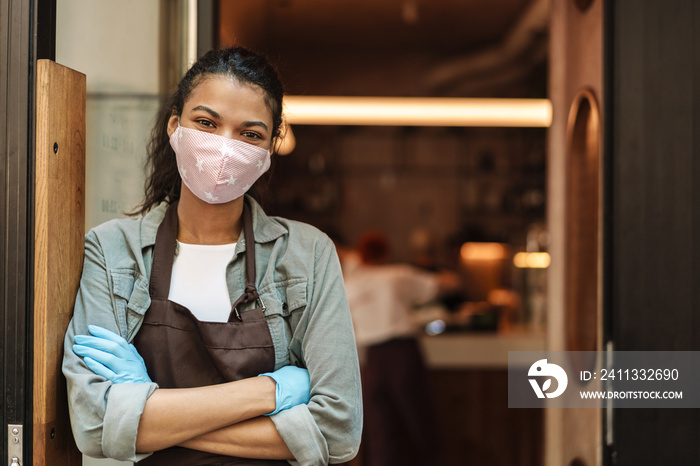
248	124
208	110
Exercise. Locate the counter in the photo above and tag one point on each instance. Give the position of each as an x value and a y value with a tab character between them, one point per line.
469	376
478	350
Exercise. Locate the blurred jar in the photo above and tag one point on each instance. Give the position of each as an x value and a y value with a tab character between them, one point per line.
533	263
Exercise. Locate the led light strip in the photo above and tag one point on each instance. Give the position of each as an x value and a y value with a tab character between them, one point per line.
417	111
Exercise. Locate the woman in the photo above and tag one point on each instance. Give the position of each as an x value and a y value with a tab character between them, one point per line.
212	293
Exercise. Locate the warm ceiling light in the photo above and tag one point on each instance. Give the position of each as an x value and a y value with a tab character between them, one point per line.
417	111
532	260
482	251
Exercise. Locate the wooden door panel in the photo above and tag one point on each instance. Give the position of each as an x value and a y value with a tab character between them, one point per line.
574	437
59	230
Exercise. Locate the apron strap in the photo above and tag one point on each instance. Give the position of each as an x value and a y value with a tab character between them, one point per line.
251	292
164	254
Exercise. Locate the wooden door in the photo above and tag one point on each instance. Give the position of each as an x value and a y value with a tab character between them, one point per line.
58	250
574	437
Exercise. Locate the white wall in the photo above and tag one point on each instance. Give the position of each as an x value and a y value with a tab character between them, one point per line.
115	43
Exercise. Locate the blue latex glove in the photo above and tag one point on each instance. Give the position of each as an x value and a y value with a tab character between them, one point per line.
111	356
293	387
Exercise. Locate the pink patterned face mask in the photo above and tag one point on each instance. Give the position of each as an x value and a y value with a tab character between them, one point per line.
217	169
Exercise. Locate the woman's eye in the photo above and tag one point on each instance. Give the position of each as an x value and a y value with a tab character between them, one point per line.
206	123
252	135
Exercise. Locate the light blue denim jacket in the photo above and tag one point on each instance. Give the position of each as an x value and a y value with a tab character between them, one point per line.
299	280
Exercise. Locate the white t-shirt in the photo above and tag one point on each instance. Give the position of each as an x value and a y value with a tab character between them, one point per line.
198	281
381	300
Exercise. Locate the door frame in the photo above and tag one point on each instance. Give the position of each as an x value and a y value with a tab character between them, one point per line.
27	33
18	57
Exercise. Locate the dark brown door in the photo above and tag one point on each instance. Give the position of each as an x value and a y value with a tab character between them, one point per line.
653	208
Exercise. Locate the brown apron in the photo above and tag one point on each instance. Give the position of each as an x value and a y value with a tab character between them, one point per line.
181	352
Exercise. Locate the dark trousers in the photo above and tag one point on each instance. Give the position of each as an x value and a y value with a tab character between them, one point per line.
399	420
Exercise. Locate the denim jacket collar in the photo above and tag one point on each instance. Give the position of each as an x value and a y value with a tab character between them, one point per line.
265	228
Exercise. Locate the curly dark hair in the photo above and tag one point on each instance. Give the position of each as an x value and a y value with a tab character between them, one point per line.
242	65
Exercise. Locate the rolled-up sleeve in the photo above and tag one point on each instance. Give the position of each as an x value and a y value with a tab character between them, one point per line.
104	417
327	429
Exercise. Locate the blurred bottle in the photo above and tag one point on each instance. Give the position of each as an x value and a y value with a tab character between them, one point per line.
534	264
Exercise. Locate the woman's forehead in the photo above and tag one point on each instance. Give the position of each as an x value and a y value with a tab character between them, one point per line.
223	91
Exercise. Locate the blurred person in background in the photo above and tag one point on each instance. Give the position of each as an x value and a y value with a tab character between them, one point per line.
400	425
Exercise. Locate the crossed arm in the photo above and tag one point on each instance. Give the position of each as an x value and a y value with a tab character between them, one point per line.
204	418
225	419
